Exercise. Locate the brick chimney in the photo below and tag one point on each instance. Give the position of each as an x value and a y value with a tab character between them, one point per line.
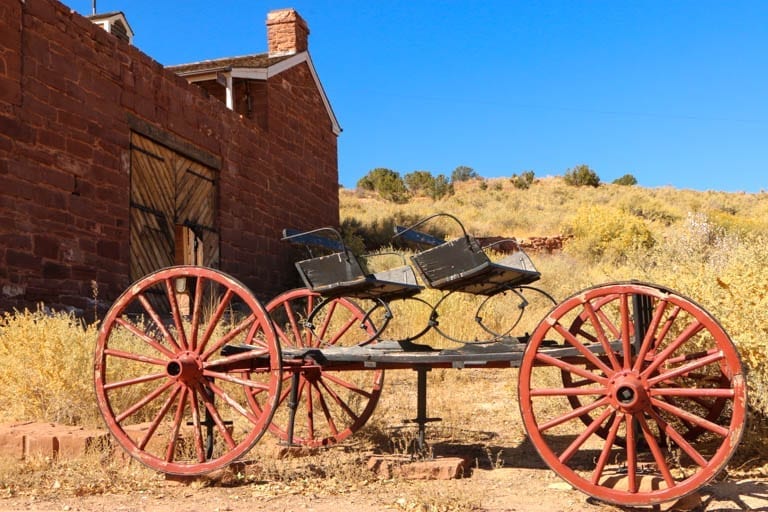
287	33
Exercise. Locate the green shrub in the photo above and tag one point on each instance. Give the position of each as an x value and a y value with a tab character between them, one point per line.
523	181
422	183
581	176
441	187
627	180
463	173
386	182
419	182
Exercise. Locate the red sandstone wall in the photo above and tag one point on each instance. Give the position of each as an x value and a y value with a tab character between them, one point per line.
67	89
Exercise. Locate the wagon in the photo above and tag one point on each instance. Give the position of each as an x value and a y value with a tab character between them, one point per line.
631	392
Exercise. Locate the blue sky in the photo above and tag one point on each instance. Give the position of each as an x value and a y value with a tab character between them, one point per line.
672	92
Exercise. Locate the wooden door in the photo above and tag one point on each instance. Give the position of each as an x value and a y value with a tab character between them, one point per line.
173	209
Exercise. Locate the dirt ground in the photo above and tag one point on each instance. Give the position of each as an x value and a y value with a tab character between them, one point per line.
506	474
505	489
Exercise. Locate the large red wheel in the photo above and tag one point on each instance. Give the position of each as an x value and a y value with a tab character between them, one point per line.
168	392
709	407
645	360
331	404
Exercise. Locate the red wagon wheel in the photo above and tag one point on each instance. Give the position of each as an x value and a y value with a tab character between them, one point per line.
710	408
168	392
331	404
642	384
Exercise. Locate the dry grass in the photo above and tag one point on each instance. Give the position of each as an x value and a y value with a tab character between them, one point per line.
710	246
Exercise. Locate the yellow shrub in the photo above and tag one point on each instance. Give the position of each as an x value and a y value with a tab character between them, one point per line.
47	360
604	232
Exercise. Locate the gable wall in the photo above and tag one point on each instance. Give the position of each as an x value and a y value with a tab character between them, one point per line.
70	94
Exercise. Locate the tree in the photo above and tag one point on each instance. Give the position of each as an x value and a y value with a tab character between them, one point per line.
627	179
581	176
419	182
463	173
423	183
442	187
386	182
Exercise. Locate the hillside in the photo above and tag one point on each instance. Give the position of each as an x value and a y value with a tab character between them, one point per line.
711	246
495	207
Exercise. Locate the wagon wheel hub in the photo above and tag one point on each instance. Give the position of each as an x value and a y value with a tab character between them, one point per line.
187	368
628	393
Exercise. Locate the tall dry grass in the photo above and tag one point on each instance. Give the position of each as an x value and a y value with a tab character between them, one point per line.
710	246
46	361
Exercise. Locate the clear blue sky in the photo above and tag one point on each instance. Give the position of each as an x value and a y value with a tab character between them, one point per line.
672	92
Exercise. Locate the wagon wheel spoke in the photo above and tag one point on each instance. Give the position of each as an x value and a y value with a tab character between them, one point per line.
292	327
155	423
326	410
589	326
343	404
658	427
197	310
177	420
582	438
149	398
197	425
350	386
214	320
143	336
606	450
326	323
600	336
332	404
216	417
133	382
159	324
230	336
658	456
310	412
166	393
176	314
678	439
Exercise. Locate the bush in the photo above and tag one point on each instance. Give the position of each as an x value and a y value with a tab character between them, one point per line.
386	182
419	182
423	183
523	181
442	187
47	362
605	233
728	275
581	176
627	180
463	173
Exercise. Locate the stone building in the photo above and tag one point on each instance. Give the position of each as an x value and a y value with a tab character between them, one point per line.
112	165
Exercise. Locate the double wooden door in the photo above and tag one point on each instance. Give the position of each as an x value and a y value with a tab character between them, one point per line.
174	218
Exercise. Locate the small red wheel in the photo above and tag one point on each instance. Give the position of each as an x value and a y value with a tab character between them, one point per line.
169	391
709	408
645	360
332	404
